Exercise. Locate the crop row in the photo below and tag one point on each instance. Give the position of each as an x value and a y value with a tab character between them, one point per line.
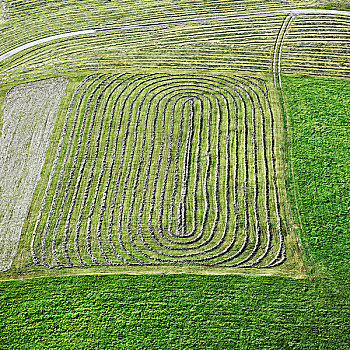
247	39
317	45
46	18
158	181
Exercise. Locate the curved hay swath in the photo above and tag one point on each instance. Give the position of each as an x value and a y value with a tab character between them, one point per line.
162	169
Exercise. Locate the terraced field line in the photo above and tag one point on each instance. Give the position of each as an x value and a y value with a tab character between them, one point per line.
292	12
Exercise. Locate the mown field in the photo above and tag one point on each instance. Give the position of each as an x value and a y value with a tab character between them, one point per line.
193	195
163	187
237	312
187	311
85	209
147	35
174	312
318	144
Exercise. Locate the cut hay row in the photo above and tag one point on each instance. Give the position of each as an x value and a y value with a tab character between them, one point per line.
206	191
176	153
235	24
312	42
195	239
167	62
318	44
281	254
158	166
102	169
248	38
130	80
162	204
60	179
75	165
91	171
181	213
45	18
255	30
53	168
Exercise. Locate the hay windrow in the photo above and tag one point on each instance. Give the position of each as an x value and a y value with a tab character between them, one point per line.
163	169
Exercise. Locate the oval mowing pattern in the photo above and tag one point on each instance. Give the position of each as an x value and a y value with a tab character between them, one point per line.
162	169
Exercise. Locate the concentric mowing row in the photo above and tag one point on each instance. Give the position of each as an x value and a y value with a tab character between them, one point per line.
162	169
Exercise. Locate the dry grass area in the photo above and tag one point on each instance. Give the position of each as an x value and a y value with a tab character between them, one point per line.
28	118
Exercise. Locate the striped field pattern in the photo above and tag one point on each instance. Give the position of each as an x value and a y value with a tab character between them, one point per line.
160	169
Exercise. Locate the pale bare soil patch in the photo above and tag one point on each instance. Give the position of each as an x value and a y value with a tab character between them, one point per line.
27	121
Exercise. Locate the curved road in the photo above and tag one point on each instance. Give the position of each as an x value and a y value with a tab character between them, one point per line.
293	12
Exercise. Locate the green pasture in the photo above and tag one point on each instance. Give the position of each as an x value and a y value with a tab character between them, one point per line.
173	312
302	304
318	142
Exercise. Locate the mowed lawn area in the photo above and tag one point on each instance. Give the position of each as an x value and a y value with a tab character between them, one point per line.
173	312
221	312
318	153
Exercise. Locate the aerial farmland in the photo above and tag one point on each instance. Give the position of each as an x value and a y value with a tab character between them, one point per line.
174	174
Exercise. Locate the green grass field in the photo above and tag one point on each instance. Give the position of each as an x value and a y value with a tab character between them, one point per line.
187	311
58	295
174	312
318	144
